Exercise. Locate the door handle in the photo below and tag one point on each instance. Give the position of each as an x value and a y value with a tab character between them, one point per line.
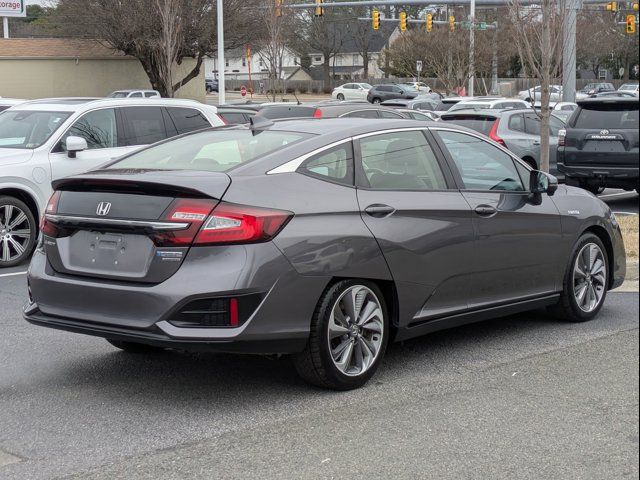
379	210
536	142
485	210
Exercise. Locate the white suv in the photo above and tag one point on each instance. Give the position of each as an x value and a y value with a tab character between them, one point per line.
43	140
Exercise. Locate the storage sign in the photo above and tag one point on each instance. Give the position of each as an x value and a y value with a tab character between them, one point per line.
12	8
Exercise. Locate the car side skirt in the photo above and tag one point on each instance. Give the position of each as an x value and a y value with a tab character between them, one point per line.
421	326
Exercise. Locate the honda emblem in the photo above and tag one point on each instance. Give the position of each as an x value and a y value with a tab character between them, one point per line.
103	209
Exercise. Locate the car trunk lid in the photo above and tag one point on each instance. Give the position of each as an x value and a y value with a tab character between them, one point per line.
134	226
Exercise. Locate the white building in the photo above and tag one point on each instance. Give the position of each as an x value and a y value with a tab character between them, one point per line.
237	65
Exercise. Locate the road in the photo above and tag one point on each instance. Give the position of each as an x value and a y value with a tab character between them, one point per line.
621	202
522	397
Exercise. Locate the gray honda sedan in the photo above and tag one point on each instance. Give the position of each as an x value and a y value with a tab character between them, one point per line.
324	239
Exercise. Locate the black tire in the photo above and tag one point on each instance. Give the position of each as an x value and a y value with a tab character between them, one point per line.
376	100
590	187
340	97
315	364
134	347
27	244
567	308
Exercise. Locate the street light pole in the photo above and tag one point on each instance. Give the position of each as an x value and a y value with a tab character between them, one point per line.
220	26
569	19
472	43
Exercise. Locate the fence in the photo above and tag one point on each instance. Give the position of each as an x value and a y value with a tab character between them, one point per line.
482	84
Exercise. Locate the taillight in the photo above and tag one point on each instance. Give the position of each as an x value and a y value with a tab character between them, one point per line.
46	226
230	223
562	135
191	211
493	134
317	113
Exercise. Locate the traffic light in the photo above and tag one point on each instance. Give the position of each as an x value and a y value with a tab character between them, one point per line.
612	6
631	24
452	23
403	21
375	19
319	8
429	22
278	6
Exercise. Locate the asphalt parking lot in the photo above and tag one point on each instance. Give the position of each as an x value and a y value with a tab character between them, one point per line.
523	397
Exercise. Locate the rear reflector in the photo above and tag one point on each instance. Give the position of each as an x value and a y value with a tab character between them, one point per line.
216	312
317	113
231	223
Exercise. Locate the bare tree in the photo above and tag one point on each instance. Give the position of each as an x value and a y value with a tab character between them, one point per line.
322	35
538	36
159	33
273	41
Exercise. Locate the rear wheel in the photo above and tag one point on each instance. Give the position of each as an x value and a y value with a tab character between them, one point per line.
585	281
376	100
18	231
134	347
590	187
340	96
348	338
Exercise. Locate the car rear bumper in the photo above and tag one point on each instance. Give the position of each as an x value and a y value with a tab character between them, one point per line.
143	313
609	176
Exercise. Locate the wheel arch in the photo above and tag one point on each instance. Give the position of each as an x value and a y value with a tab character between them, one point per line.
24	196
530	161
601	232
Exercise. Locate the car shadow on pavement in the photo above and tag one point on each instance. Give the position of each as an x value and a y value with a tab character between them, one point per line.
182	378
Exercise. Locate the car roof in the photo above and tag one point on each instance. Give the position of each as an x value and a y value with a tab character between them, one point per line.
608	99
130	90
82	104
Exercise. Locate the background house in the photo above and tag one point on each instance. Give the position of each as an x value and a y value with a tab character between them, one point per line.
62	67
237	64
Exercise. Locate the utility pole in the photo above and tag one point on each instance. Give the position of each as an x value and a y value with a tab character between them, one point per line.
472	45
494	62
220	25
569	19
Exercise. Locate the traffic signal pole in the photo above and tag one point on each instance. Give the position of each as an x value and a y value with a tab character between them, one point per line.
220	27
569	50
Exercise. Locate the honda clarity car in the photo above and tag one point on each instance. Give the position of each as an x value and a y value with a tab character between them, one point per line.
324	239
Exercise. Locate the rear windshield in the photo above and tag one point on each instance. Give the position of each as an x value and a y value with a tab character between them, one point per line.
479	124
212	151
285	111
607	116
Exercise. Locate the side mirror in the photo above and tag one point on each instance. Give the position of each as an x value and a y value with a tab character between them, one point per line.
75	145
542	182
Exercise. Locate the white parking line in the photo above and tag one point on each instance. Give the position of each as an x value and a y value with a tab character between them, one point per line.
625	213
615	194
12	274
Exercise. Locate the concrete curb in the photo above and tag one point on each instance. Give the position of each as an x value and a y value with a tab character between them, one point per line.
631	283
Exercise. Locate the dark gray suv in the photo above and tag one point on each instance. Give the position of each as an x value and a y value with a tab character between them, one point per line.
324	239
380	93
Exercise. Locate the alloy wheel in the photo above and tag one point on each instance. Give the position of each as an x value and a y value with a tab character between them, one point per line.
15	232
356	330
589	277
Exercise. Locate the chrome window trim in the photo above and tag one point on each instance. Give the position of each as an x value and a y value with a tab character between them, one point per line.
293	165
158	226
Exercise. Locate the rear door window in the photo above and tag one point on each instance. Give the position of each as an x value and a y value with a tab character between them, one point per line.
362	114
607	116
387	114
143	125
234	117
400	161
136	95
187	119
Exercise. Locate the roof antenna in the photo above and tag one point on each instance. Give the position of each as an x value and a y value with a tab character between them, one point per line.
258	123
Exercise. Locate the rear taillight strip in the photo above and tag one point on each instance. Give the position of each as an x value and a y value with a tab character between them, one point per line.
73	221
